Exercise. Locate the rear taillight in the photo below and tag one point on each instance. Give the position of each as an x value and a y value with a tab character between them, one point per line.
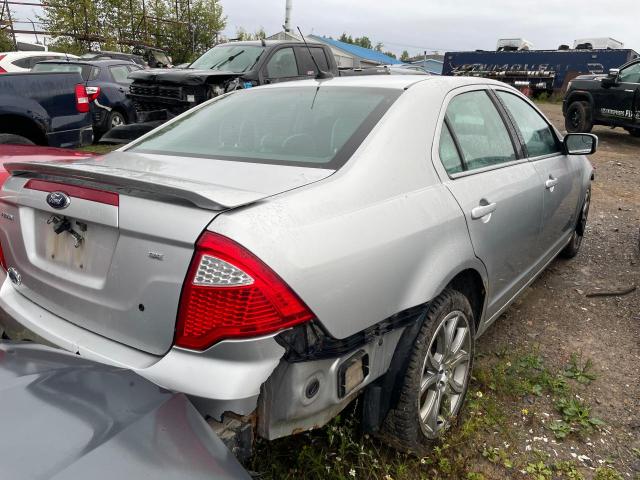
2	70
92	93
3	263
230	293
82	99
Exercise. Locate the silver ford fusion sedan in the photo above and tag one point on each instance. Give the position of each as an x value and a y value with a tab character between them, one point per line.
278	251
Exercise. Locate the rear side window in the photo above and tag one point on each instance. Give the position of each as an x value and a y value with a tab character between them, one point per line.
282	64
538	136
481	134
120	73
449	153
307	66
83	70
305	126
23	62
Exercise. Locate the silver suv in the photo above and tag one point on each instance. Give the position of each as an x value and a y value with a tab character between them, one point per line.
278	251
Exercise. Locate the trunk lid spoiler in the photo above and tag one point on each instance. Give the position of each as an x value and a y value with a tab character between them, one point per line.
198	193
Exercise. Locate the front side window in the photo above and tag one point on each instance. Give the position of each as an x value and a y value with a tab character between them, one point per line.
536	132
282	64
631	74
479	130
304	126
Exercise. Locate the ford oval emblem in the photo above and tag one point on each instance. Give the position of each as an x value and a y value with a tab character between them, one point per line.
58	200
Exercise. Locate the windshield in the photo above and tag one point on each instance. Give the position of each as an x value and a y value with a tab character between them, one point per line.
305	126
229	58
83	70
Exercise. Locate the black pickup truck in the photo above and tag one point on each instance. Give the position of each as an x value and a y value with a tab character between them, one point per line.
44	109
161	94
612	100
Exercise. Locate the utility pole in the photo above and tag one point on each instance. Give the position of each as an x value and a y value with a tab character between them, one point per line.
287	16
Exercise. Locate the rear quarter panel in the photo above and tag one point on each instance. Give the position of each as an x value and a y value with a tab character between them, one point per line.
379	236
48	98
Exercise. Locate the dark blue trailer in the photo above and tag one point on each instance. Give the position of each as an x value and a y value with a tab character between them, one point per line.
535	71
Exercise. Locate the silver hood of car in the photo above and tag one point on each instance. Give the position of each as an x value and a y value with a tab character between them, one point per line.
65	418
207	183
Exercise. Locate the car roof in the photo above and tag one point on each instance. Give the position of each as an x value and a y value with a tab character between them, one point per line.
93	63
38	54
397	82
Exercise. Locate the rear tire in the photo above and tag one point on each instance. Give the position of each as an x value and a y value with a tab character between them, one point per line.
437	377
115	119
573	247
10	138
579	118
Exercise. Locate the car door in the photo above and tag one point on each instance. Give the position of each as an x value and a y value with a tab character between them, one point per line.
559	174
619	103
282	66
306	63
497	189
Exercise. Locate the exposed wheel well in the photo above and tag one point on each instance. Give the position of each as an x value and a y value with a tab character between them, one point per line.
470	284
19	125
579	97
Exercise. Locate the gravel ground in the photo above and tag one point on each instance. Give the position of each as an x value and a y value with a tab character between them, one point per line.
557	317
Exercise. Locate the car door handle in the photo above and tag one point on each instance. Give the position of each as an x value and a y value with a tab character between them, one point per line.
552	182
483	210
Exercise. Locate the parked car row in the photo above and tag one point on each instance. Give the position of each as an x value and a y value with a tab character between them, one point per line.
271	254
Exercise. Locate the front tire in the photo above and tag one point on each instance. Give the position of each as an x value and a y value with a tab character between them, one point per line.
115	119
573	247
437	377
579	118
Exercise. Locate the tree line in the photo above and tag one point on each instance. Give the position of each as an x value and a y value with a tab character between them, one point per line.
183	28
365	42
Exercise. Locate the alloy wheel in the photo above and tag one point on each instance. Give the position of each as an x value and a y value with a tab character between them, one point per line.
445	373
117	120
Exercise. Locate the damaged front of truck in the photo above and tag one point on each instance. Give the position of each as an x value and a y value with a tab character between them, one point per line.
161	94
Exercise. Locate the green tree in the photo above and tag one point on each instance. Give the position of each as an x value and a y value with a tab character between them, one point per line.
363	42
379	46
6	43
390	54
185	29
405	56
243	35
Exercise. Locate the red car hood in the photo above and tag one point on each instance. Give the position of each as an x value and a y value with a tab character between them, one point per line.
33	153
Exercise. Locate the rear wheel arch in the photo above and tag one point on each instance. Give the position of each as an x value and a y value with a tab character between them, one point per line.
471	284
24	127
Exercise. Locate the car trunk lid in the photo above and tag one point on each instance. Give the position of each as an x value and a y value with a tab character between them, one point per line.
117	266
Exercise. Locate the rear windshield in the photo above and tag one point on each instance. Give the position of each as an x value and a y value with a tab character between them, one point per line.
84	70
304	126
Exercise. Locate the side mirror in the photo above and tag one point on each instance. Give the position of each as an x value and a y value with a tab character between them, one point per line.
611	79
580	144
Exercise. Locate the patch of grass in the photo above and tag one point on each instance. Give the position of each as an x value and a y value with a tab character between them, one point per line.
498	456
580	371
566	469
99	148
560	429
577	414
539	470
607	473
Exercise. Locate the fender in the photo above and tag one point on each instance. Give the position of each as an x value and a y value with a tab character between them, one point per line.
26	108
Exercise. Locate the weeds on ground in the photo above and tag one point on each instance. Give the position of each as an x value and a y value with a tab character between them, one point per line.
481	443
580	371
607	473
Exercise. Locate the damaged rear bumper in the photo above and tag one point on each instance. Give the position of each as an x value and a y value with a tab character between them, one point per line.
230	372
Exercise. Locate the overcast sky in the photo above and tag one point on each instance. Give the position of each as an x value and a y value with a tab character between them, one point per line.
417	25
